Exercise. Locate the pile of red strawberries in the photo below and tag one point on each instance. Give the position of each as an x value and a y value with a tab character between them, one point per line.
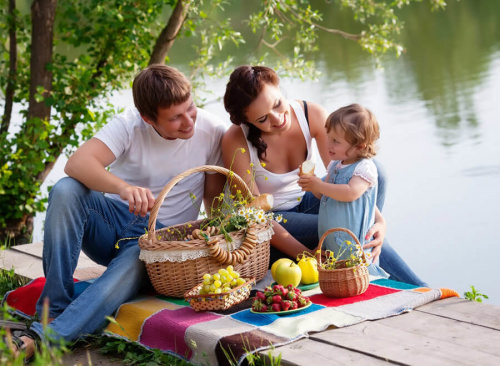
279	298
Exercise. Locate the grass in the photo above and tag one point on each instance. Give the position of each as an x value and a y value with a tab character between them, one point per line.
474	295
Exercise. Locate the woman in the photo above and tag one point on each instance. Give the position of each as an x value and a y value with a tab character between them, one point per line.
276	135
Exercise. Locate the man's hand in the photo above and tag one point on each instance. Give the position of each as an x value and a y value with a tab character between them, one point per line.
378	233
140	200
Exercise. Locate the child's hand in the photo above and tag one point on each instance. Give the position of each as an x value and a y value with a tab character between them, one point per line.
309	183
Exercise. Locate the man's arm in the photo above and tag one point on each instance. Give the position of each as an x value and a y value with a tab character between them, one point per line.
88	165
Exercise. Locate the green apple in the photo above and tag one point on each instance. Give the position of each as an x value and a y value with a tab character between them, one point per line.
277	263
288	274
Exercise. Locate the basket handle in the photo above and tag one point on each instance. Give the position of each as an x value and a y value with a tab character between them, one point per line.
235	179
333	230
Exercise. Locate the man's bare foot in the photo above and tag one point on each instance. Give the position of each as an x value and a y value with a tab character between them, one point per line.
28	347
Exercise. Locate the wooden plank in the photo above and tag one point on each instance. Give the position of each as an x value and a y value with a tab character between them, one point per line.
483	314
34	249
24	265
453	331
27	262
405	347
309	352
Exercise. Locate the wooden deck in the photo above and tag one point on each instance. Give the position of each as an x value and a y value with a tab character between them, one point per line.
446	332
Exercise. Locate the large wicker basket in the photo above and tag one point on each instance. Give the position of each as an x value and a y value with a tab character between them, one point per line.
342	282
176	265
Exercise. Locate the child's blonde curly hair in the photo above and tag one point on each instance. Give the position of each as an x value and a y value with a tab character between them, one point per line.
359	125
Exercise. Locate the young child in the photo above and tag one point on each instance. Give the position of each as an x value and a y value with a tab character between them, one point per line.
348	194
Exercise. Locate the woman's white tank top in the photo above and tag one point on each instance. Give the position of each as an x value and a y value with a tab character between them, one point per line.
283	187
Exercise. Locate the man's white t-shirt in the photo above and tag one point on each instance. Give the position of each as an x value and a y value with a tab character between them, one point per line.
145	159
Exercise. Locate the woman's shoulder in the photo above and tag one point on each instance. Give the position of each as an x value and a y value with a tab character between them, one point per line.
234	132
233	136
317	117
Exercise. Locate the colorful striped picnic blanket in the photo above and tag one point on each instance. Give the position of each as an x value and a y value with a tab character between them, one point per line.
220	338
213	337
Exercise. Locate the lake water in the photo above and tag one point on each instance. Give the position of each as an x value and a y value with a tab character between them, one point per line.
439	109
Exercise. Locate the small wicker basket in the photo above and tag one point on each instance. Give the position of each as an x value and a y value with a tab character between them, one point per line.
175	277
222	301
342	281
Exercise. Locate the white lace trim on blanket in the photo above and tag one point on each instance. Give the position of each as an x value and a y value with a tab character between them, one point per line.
183	255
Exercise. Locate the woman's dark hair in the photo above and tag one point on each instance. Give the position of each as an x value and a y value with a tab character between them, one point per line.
244	86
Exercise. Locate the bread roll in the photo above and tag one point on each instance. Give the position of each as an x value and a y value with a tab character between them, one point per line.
307	168
264	201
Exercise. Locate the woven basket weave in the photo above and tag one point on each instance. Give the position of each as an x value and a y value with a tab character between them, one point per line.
174	278
342	281
220	301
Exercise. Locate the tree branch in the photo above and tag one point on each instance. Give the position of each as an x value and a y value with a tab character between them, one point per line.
353	37
169	33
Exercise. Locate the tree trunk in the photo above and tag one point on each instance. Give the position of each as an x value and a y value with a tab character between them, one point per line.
169	33
11	80
43	13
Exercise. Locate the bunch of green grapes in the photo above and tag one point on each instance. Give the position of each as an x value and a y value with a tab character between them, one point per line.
222	281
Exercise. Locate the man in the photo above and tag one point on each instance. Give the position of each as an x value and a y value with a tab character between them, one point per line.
144	148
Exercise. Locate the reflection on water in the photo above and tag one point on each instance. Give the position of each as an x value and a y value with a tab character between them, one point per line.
439	115
482	170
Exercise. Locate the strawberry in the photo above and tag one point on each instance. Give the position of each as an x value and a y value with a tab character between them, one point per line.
285	305
260	296
268	291
278	288
269	299
277	299
303	301
275	307
257	305
293	305
263	309
292	296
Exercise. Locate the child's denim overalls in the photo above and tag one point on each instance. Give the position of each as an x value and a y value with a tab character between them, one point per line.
357	216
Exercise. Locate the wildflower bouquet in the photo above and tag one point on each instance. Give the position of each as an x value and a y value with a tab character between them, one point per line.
343	277
356	257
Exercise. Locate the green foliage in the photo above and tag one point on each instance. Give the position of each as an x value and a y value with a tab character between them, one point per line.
98	47
46	355
112	40
475	295
132	354
9	281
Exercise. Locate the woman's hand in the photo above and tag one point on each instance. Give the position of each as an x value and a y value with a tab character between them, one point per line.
378	233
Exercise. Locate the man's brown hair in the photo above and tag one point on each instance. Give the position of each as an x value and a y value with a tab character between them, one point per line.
159	86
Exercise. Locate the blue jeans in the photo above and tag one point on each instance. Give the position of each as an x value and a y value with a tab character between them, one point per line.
302	224
81	219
